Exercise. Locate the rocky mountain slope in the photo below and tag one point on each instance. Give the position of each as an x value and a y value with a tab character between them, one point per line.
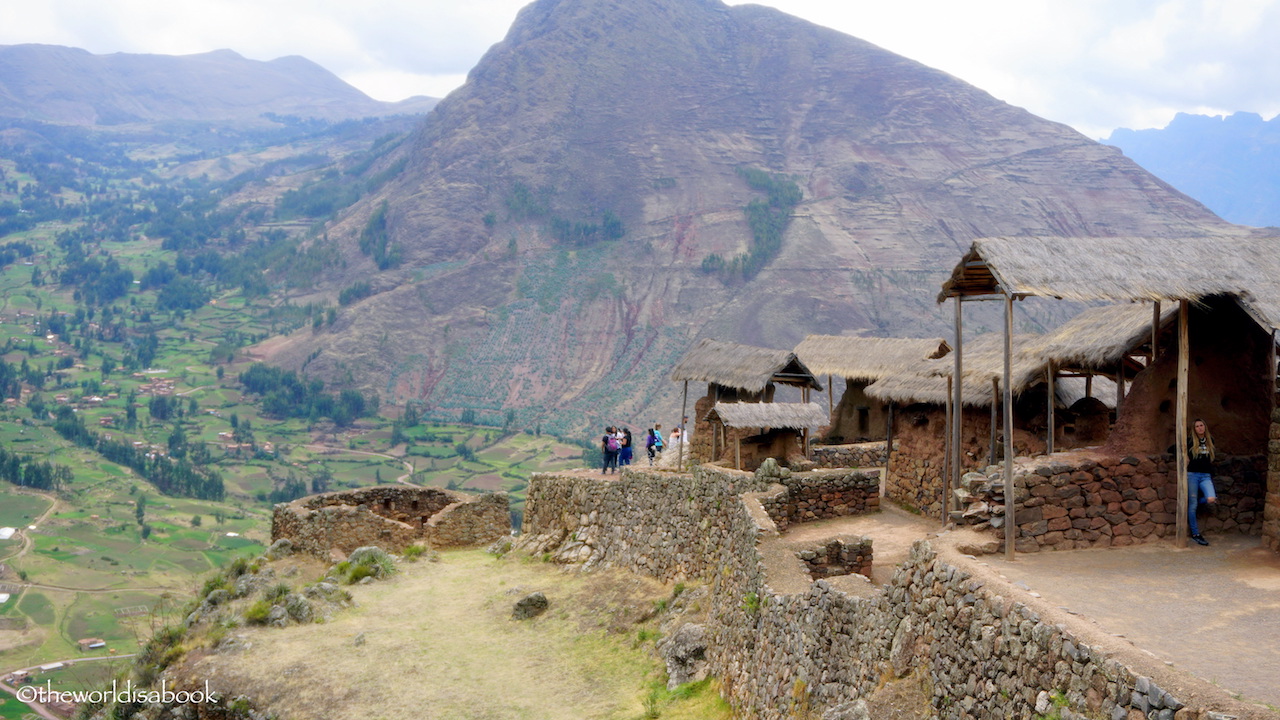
499	286
54	84
1231	164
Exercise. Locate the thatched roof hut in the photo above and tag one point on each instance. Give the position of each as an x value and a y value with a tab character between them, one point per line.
796	416
859	358
926	382
1128	268
1101	336
745	367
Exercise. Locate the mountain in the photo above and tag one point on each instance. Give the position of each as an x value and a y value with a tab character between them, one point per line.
1231	164
53	84
497	287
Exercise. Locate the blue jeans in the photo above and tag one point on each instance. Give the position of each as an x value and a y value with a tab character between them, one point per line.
1200	487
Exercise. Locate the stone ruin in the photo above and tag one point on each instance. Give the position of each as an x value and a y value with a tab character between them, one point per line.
392	517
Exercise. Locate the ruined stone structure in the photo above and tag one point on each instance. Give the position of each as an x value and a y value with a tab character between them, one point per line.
860	455
785	655
840	556
1069	501
821	494
392	517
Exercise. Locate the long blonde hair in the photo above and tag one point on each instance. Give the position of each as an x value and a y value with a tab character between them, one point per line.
1193	440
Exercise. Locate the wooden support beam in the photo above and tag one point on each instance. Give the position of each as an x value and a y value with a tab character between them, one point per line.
684	432
957	411
1088	385
1051	405
737	453
995	408
831	399
946	455
1010	527
1119	387
1180	431
1155	330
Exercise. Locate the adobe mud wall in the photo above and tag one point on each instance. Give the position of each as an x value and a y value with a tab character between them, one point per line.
392	517
782	656
1076	500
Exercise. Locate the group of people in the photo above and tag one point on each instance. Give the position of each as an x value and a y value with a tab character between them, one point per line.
617	445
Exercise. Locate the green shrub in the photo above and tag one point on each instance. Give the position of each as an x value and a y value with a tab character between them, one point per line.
258	613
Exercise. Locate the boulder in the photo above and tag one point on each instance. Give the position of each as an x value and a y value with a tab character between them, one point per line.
529	606
685	653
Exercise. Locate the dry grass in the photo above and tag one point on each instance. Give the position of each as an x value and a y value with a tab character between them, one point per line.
438	642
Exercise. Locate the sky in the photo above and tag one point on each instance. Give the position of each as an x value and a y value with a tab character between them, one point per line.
1093	64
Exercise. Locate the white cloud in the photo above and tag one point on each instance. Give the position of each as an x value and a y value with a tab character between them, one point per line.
1093	64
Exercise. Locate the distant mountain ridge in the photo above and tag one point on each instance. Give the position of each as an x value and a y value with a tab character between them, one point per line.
63	85
501	300
1231	164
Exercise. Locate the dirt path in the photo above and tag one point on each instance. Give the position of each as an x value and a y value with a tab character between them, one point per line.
443	632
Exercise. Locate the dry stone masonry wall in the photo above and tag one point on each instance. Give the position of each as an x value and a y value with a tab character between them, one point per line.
860	455
784	655
841	556
1063	502
821	494
392	517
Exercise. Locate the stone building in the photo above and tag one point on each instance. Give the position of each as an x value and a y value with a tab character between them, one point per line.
392	517
861	361
735	373
778	431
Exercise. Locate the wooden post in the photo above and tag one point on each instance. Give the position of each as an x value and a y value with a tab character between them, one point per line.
1088	385
737	453
715	435
1010	527
1119	386
1049	440
1155	330
957	411
946	455
684	406
888	431
1271	370
995	408
1180	424
831	399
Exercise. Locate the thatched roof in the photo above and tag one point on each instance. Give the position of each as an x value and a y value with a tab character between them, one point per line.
770	415
1100	337
742	366
1120	269
982	358
858	358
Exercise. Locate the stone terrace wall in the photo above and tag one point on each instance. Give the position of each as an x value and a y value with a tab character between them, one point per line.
391	517
860	455
1065	502
781	656
1271	509
822	494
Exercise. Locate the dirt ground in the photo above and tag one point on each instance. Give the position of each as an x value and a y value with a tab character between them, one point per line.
1202	622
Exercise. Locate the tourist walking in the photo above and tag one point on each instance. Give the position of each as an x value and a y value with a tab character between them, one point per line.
1200	456
625	451
609	447
649	442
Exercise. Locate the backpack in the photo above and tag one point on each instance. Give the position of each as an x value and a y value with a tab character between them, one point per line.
611	442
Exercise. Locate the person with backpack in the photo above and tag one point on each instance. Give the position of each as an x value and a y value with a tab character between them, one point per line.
624	450
609	447
649	443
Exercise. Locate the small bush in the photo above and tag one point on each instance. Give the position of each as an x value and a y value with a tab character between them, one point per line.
414	552
258	613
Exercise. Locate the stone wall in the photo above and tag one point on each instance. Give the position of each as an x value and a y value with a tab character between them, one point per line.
914	475
822	494
1065	501
1271	503
781	656
841	556
860	455
391	517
